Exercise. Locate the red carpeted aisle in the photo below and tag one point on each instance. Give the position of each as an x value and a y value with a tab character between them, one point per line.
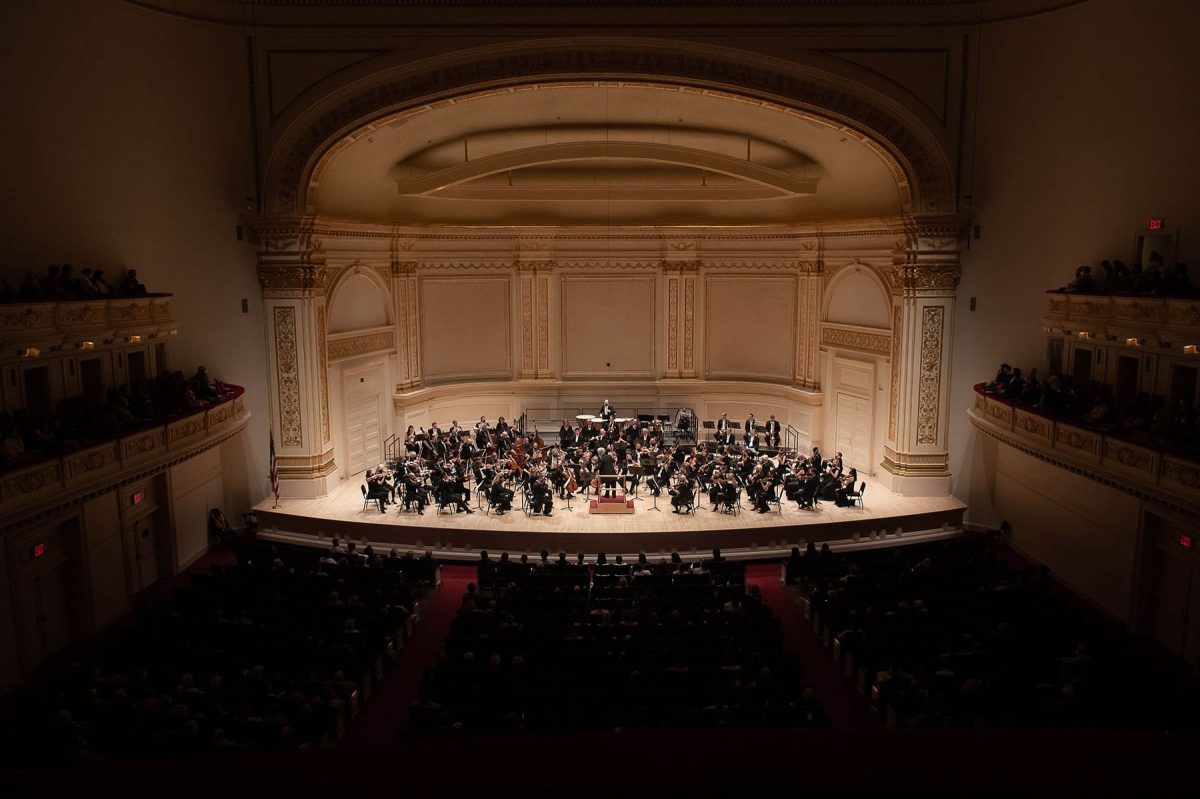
846	708
387	711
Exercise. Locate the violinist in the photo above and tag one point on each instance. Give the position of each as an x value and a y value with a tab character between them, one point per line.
414	491
499	495
682	495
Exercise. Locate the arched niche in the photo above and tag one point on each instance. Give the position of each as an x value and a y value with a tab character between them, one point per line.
857	297
358	301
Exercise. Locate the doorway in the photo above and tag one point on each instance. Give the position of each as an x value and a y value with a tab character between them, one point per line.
852	431
364	440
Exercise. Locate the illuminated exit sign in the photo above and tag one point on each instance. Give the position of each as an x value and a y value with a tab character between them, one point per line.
1156	223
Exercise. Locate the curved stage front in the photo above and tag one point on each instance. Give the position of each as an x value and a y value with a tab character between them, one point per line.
887	518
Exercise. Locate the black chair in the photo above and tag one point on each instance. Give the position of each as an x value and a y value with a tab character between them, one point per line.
862	489
366	501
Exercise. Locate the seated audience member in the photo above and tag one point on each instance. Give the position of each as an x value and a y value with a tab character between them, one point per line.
131	286
100	282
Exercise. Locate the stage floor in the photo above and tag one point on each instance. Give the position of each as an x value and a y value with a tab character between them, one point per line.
341	514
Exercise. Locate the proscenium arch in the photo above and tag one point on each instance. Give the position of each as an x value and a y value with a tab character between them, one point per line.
314	134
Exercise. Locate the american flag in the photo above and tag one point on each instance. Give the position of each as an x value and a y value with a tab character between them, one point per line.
274	475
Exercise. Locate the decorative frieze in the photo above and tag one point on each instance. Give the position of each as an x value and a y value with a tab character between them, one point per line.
930	384
850	338
288	377
354	346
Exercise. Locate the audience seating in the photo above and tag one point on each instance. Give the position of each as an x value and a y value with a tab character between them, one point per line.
948	634
564	646
278	650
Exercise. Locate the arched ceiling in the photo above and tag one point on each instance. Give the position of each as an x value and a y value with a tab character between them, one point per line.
587	153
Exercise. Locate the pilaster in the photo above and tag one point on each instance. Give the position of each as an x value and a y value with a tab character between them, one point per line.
293	276
924	275
405	295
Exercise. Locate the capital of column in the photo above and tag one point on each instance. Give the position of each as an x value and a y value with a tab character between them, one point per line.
927	255
291	262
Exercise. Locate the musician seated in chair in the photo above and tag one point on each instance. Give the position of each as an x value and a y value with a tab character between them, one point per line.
451	491
378	488
500	497
414	492
773	432
682	495
541	497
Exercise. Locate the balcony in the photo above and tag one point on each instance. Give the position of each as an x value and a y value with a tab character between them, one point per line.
145	450
1153	321
1112	459
53	326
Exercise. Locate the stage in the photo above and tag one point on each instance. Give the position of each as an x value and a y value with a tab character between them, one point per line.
887	518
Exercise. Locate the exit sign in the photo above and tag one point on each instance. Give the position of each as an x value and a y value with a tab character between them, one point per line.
136	497
1185	541
1156	223
39	549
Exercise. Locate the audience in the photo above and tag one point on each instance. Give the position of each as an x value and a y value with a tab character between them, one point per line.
559	645
275	651
948	634
63	283
1145	421
29	435
1156	279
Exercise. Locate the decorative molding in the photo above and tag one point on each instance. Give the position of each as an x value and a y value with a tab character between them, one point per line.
543	326
673	324
354	346
930	380
323	371
1161	480
288	377
856	339
894	405
911	151
689	325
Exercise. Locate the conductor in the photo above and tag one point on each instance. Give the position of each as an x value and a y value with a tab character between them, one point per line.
608	468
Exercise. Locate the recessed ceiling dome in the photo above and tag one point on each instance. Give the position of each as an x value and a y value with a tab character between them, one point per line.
588	153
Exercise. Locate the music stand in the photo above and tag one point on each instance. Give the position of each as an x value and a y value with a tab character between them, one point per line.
636	473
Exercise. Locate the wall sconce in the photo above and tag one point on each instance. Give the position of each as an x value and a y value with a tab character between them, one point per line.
134	339
1083	334
30	352
87	345
1133	342
1189	349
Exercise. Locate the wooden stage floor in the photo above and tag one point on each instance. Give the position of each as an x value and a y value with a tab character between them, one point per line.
747	533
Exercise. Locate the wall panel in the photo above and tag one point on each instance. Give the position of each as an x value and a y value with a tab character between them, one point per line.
750	327
466	329
608	326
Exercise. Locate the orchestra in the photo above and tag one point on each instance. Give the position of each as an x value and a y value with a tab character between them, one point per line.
600	455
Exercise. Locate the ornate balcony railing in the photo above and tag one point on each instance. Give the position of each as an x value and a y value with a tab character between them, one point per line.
56	325
108	462
1172	323
1107	457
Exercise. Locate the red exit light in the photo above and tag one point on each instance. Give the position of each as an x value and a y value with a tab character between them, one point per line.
136	497
1185	541
1156	223
39	549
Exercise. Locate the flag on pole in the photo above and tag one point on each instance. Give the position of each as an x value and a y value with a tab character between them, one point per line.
274	475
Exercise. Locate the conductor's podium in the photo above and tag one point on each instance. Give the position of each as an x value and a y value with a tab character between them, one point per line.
618	504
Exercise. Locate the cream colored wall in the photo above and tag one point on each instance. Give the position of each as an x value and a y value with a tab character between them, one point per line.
466	327
128	142
609	325
750	326
1085	532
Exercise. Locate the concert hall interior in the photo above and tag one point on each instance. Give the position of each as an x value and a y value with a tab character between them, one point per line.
735	394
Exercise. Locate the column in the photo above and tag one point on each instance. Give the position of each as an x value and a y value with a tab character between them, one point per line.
925	275
292	274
